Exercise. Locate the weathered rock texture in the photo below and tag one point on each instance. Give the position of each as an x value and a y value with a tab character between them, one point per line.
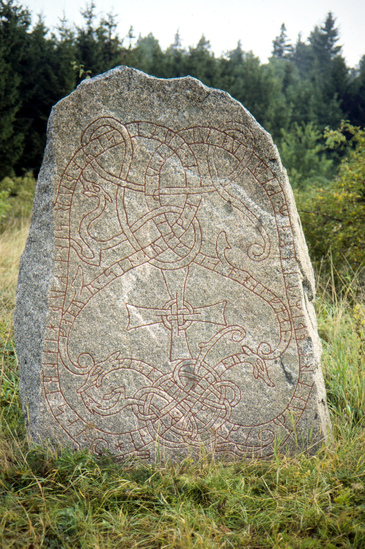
165	294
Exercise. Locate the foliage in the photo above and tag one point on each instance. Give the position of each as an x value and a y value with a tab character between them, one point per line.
354	98
16	197
97	48
281	45
251	83
80	70
14	24
57	498
334	216
307	82
323	41
38	96
302	154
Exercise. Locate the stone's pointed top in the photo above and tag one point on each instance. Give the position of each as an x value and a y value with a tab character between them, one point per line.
164	301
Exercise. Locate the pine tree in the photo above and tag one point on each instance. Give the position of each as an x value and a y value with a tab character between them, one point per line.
323	41
88	54
109	44
175	59
282	49
354	98
98	48
252	83
149	55
303	57
201	63
14	25
329	74
40	91
65	54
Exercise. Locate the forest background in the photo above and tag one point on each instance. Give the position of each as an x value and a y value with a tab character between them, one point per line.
314	107
306	96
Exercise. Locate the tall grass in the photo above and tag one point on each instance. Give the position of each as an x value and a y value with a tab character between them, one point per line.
57	498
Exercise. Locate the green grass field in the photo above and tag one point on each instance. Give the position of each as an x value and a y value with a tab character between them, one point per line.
52	498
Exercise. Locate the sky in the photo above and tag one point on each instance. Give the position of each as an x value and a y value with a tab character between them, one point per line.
255	23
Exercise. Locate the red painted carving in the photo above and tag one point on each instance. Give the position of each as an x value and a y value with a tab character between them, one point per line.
194	398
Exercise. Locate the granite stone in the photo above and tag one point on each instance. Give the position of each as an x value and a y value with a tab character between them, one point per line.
165	295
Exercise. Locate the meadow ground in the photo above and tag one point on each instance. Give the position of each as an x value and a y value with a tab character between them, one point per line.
56	498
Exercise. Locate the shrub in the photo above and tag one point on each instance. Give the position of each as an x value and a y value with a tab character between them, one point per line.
302	151
333	216
16	199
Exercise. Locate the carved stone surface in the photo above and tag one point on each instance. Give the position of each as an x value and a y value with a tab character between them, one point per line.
165	294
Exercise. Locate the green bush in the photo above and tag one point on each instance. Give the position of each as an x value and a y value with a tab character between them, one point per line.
16	199
302	152
333	216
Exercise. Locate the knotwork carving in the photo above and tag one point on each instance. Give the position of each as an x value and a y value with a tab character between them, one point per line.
135	212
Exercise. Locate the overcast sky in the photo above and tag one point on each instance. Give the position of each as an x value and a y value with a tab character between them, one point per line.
223	22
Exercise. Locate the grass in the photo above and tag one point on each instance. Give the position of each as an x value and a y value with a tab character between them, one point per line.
57	498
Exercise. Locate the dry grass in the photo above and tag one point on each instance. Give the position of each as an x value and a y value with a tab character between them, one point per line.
56	498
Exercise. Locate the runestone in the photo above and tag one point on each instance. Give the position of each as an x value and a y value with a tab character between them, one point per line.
164	302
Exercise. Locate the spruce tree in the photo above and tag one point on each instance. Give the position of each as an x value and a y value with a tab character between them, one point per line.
201	63
323	41
354	99
14	25
98	49
175	59
282	48
65	55
39	93
149	55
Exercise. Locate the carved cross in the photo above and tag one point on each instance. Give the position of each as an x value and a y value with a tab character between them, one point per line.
176	315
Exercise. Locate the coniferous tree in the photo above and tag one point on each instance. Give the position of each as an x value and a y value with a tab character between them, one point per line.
65	54
303	57
282	48
329	72
323	41
149	55
109	43
40	92
305	83
201	63
253	84
175	59
354	99
14	24
87	41
11	141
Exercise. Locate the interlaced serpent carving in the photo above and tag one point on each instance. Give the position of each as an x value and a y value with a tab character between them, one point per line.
132	205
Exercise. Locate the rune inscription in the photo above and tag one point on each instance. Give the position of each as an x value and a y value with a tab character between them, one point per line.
165	293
